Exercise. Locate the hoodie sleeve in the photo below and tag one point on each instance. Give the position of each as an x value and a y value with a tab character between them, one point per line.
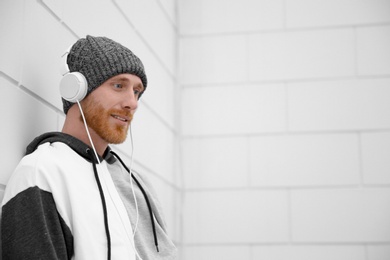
31	227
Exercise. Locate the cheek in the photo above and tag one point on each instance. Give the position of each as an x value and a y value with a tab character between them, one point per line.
95	101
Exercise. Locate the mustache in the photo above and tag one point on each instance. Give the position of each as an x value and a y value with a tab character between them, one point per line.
121	112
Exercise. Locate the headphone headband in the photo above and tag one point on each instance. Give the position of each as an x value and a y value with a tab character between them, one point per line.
64	68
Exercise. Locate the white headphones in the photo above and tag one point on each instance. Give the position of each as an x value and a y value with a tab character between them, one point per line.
73	85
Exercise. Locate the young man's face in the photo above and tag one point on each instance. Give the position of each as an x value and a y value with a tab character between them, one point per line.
109	109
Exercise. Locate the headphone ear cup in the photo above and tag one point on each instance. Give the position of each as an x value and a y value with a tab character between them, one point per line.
73	87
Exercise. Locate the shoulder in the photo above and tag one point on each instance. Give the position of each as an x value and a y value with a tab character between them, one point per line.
46	158
39	169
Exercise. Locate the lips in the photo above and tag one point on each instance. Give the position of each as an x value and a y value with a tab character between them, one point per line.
122	118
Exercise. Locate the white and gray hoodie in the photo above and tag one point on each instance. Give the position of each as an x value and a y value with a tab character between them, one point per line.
60	203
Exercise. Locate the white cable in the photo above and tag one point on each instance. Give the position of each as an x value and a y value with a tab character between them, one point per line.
131	181
89	136
132	189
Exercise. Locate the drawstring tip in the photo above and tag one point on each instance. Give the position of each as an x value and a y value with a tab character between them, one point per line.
158	251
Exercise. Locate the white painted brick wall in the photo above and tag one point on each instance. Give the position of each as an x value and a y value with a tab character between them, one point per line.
285	127
284	110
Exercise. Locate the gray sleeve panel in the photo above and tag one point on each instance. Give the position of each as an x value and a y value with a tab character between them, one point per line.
31	228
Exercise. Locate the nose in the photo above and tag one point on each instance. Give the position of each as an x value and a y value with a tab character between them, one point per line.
130	100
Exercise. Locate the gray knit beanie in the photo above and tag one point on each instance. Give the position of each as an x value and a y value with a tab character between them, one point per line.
100	58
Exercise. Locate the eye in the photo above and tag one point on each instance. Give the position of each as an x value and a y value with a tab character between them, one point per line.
137	91
117	85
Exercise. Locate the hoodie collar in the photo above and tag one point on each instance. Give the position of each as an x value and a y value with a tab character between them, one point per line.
77	145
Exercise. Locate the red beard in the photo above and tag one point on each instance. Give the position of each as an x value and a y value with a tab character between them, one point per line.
100	120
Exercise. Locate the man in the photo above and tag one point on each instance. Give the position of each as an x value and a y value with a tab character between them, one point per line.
71	197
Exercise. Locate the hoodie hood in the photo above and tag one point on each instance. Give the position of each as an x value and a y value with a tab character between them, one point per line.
77	145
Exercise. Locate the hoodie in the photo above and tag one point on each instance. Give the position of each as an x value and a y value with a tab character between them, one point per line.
61	203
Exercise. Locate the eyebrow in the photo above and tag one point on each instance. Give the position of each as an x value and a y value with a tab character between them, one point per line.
121	78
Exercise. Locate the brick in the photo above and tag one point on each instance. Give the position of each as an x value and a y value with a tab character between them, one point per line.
378	252
339	105
307	13
318	252
375	157
373	51
217	59
301	54
233	109
11	27
341	215
206	17
231	252
216	162
29	118
304	160
235	216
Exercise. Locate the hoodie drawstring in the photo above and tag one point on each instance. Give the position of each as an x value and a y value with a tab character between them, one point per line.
146	199
92	156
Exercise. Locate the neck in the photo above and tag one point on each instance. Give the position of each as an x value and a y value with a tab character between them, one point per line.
75	127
